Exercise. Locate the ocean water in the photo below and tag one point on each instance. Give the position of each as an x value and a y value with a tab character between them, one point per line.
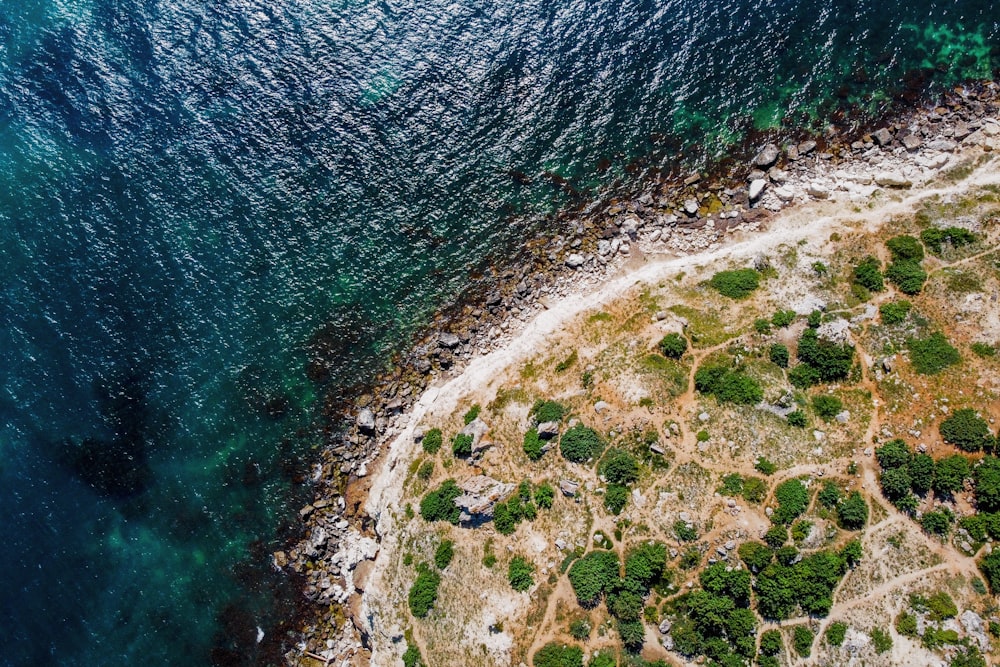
215	216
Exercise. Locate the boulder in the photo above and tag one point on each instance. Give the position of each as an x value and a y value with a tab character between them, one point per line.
882	137
756	188
767	156
449	340
912	142
575	260
601	407
784	194
548	430
477	428
818	190
480	494
690	206
366	421
569	487
892	179
806	147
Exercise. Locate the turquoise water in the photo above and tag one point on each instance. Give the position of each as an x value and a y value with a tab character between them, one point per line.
216	216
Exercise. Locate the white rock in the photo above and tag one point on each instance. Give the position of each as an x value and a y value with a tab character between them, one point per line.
784	193
818	190
575	260
756	187
892	179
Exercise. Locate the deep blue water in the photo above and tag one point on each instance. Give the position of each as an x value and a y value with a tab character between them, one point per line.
190	191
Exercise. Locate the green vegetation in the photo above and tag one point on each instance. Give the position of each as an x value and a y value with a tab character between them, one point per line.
580	443
835	633
737	284
770	642
807	585
565	364
754	489
580	629
426	470
732	484
881	640
592	576
852	513
756	556
532	445
933	354
990	567
615	498
906	624
895	312
412	657
424	591
782	318
797	418
619	467
950	474
547	411
793	497
728	386
868	274
432	441
519	574
673	346
762	465
941	606
461	445
762	326
986	477
830	495
937	522
956	237
907	276
544	496
683	532
822	360
921	469
984	350
507	515
554	654
967	430
778	354
439	505
905	248
471	415
444	553
802	639
827	407
776	535
801	530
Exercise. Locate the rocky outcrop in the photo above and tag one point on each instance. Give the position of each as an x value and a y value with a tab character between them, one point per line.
480	494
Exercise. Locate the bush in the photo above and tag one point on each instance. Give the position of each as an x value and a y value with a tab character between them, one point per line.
762	465
615	498
905	248
881	641
755	556
732	484
432	441
990	567
851	553
983	350
933	354
907	276
426	470
937	523
949	474
673	346
632	633
547	411
728	386
941	606
966	430
439	505
580	629
953	236
921	471
801	530
471	415
558	655
754	489
868	274
776	536
580	443
532	445
762	325
566	363
895	484
906	624
802	638
461	445
423	592
683	533
593	575
831	361
545	496
770	642
803	376
852	514
893	454
519	574
412	657
895	312
987	481
782	318
620	467
778	353
738	284
797	418
444	553
835	633
826	406
793	497
829	496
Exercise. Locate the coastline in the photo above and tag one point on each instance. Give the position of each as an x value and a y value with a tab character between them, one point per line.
588	270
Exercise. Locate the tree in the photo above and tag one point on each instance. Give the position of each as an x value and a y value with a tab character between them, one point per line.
851	553
835	633
966	430
830	361
734	584
461	445
895	483
793	497
852	513
532	445
868	274
905	248
412	657
776	535
949	474
633	633
444	553
673	346
545	495
907	276
990	567
755	556
519	574
558	655
424	591
620	467
592	576
829	496
802	638
893	454
921	471
782	318
895	312
547	411
615	498
826	406
580	629
580	443
770	642
933	354
778	353
439	505
987	480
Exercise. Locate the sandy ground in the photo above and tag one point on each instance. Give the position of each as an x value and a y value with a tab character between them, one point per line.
812	222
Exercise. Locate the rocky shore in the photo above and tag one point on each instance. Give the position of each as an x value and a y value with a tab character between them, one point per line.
685	214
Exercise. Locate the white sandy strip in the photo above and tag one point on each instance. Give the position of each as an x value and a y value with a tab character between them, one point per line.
789	227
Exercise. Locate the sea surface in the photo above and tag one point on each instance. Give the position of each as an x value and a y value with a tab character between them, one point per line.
215	214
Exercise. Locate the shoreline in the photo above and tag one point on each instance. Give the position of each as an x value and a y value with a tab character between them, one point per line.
584	275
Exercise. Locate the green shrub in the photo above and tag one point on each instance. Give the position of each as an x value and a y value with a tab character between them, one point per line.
632	634
619	467
605	659
987	480
801	530
684	533
615	498
754	489
547	411
762	465
545	496
580	443
831	361
532	445
921	469
797	418
966	430
953	236
580	629
905	248
412	657
835	633
881	640
519	574
439	505
690	559
593	575
778	354
983	350
673	346
895	484
424	591
937	523
444	553
852	513
792	497
782	318
426	470
776	535
802	638
949	474
728	386
762	325
941	606
895	311
906	624
755	556
471	415
803	376
868	274
968	656
732	484
554	654
702	436
432	441
830	495
851	553
565	364
826	406
893	454
990	567
814	319
461	445
738	284
770	642
933	354
907	276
